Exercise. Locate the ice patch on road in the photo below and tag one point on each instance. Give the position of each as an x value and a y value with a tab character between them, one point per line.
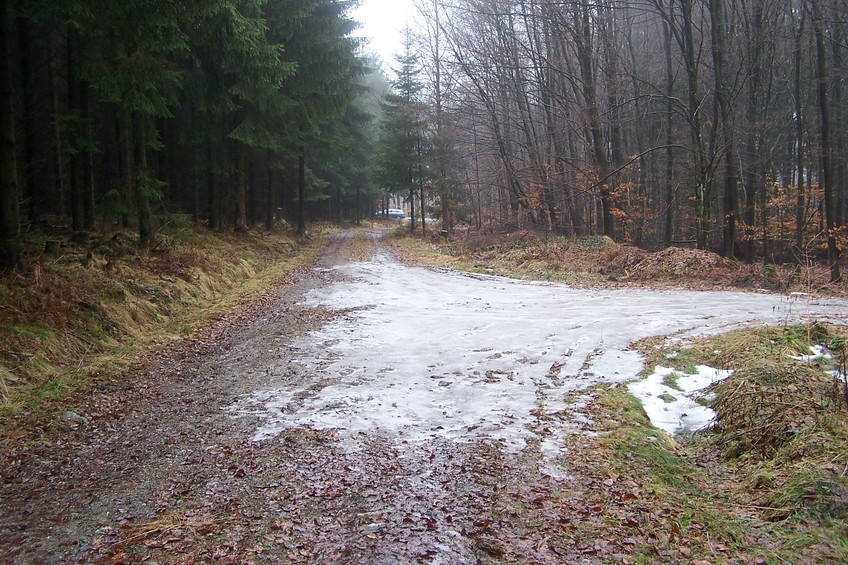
421	354
670	397
480	395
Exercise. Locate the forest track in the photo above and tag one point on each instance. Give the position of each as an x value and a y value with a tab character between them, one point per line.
368	412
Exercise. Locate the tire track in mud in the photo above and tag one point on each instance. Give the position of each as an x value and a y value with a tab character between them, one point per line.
151	437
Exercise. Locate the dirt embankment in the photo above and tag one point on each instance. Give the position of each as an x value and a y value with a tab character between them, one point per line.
79	311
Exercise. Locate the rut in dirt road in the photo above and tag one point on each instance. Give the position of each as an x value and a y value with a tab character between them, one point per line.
372	412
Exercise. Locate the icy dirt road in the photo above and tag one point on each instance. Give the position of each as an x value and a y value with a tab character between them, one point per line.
422	354
367	412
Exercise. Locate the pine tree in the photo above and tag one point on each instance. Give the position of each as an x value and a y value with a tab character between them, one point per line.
258	71
324	85
130	62
402	140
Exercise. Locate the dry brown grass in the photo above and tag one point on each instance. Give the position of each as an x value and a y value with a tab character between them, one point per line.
676	262
780	422
89	305
598	260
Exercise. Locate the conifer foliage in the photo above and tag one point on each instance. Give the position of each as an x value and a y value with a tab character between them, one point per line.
141	111
403	154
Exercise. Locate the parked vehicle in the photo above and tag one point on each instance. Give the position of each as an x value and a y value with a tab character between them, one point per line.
392	214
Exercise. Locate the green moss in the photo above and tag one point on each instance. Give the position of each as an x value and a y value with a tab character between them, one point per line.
54	389
30	331
667	398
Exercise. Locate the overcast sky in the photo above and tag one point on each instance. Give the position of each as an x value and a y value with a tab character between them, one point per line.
382	24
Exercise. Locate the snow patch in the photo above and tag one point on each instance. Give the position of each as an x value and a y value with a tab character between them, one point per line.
669	397
817	352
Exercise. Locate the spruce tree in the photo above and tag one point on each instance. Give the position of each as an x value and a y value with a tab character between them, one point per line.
130	62
403	141
325	83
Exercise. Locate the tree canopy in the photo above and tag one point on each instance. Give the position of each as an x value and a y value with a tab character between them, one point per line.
141	111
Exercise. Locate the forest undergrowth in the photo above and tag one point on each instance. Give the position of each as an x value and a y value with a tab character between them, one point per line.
767	482
599	261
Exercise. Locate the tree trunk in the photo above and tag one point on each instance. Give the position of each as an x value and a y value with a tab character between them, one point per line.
754	168
58	151
597	142
213	192
143	184
610	40
826	143
801	200
702	196
443	182
358	217
11	246
128	186
544	51
27	187
87	160
423	206
75	161
269	202
195	197
411	203
668	233
731	175
301	191
241	189
839	122
532	139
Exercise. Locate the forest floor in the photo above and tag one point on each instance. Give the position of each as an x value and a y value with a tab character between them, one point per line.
192	454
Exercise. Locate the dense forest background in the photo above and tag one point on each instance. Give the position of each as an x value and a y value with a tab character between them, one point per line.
719	124
229	113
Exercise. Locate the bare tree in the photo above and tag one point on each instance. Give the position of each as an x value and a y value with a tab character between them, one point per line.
827	147
725	102
606	116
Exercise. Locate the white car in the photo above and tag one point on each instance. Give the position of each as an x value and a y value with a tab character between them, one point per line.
392	214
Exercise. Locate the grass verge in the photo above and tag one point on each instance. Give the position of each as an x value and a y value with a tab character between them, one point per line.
598	260
777	456
650	498
83	313
523	255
